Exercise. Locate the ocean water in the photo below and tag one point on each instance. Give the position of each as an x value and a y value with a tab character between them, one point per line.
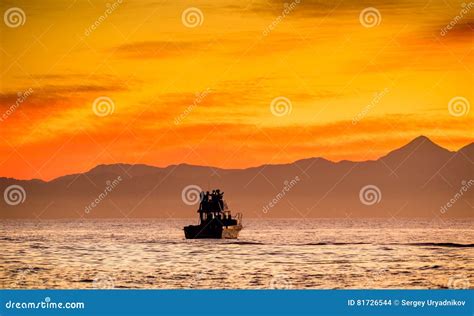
295	254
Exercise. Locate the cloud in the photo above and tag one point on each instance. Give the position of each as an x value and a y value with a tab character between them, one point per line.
321	8
341	133
463	30
48	96
158	49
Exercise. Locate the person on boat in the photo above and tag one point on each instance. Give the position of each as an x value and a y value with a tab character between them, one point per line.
202	199
213	201
220	199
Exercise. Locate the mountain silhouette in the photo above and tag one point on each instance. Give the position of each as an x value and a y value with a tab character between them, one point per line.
416	180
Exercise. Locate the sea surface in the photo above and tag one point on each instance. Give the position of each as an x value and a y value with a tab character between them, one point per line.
295	254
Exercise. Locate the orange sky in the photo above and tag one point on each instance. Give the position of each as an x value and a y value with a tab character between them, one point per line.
203	94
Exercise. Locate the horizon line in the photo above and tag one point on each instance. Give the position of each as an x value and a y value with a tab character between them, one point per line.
423	137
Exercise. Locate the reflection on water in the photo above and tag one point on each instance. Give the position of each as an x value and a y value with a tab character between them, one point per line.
268	254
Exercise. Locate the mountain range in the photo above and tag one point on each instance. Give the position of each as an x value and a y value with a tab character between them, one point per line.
420	179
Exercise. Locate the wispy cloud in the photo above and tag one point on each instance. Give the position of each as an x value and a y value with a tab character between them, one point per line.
158	49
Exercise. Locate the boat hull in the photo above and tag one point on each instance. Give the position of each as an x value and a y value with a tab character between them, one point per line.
212	232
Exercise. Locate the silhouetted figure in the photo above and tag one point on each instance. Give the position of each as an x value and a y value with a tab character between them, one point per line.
220	200
213	201
211	205
215	219
202	198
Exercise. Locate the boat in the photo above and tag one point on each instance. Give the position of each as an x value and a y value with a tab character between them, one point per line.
215	219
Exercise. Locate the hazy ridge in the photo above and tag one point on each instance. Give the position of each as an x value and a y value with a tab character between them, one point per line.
416	180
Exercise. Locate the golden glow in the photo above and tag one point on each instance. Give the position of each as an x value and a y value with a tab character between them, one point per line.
202	95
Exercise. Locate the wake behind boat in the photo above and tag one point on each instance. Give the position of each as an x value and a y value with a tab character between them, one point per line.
215	219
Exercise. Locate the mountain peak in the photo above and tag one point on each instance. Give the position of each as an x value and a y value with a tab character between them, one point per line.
420	140
421	143
421	147
107	168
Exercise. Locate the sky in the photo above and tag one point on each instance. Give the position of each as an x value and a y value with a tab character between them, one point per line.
231	84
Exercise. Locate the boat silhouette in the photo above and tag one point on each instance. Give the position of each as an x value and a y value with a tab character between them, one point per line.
215	219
